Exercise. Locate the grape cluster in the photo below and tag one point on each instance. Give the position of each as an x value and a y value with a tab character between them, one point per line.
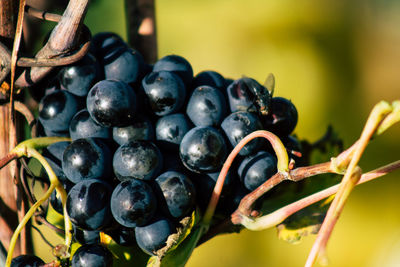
148	142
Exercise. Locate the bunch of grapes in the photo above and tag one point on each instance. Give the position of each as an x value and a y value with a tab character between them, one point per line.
148	142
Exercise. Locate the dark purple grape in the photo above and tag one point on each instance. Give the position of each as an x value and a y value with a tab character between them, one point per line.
94	255
88	204
27	261
176	193
256	169
138	159
203	149
165	92
140	128
170	130
83	126
154	235
238	125
123	64
133	203
57	109
210	78
207	106
85	237
79	77
87	158
54	154
283	117
177	65
111	103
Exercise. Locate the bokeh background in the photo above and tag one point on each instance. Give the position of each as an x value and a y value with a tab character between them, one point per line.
334	59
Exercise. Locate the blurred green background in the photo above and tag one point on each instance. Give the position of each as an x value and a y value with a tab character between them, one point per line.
334	59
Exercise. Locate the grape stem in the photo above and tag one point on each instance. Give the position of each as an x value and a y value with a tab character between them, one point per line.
283	213
283	167
278	216
349	181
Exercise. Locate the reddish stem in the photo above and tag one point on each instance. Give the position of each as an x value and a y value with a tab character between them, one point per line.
294	175
282	166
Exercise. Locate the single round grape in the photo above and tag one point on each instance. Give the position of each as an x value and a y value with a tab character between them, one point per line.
207	106
94	255
154	235
123	64
88	204
79	77
256	169
283	117
111	103
238	125
133	203
57	109
177	193
165	92
137	159
170	130
87	158
203	149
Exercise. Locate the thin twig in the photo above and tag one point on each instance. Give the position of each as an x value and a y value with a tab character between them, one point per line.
44	15
295	175
278	216
63	39
349	181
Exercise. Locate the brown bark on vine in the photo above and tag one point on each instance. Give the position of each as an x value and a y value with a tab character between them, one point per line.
8	189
